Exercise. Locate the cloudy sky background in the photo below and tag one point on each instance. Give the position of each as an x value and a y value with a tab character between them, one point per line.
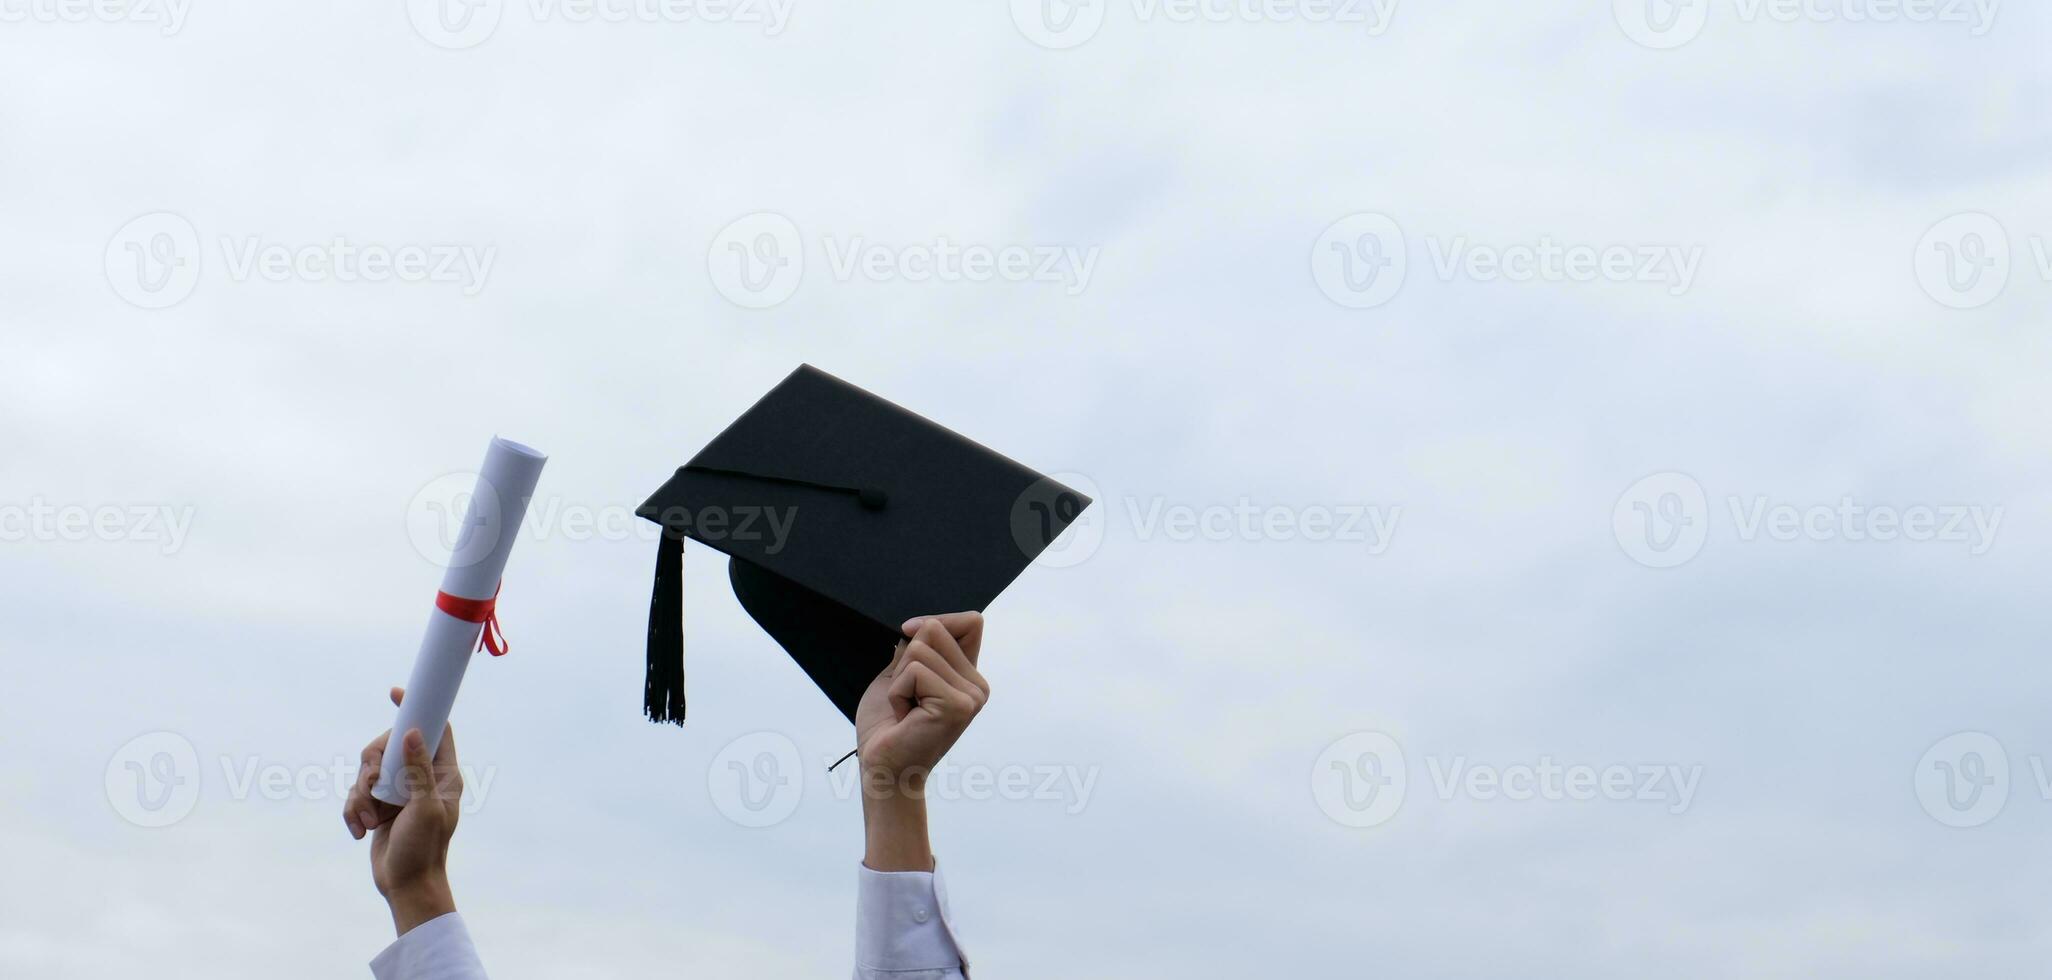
1201	687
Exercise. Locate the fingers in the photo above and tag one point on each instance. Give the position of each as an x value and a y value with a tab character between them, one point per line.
934	691
420	768
915	686
938	686
903	692
917	652
448	777
445	753
965	627
933	635
360	811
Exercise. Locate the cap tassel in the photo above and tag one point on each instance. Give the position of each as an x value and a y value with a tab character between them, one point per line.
663	692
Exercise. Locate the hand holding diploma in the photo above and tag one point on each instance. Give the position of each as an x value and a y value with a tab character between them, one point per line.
410	850
464	618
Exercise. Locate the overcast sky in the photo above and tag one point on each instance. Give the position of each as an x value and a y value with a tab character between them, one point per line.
1571	478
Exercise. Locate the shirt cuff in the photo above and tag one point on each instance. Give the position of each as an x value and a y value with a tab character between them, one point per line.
438	949
901	923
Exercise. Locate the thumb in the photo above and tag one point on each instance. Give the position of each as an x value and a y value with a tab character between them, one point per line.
420	769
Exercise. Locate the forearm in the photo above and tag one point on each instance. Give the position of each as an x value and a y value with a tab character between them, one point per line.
420	901
894	829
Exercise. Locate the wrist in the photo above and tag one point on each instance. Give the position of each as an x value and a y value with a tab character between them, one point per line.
418	901
894	831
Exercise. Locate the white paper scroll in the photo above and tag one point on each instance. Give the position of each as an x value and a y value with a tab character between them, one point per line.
490	524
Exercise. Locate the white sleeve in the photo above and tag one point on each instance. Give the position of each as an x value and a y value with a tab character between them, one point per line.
438	949
902	929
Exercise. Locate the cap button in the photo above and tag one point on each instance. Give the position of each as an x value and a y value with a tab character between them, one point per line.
872	498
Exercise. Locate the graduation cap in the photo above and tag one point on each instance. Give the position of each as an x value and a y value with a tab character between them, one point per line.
843	516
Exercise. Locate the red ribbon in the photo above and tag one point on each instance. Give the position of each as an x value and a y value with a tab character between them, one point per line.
484	611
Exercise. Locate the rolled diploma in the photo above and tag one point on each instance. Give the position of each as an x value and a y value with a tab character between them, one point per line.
491	523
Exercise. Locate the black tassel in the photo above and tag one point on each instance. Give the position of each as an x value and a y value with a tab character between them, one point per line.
663	692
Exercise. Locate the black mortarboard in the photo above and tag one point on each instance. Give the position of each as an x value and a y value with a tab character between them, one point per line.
844	516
